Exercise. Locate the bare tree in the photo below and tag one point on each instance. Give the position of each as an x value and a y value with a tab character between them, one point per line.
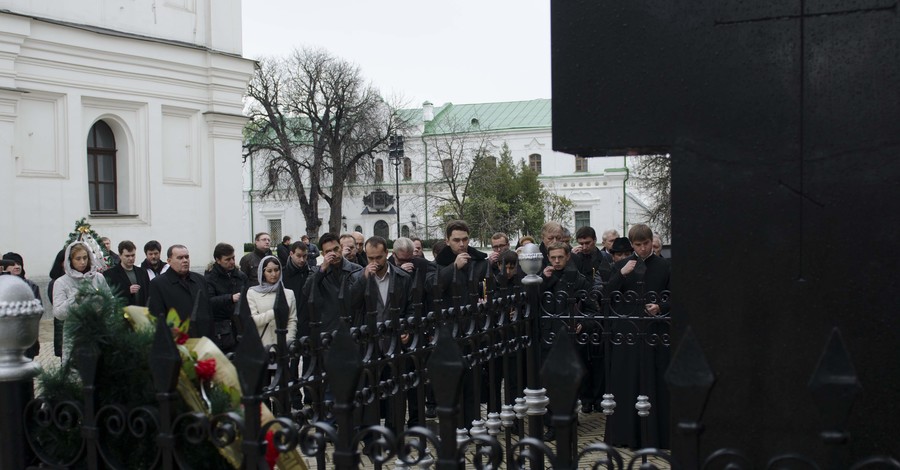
454	148
313	119
653	177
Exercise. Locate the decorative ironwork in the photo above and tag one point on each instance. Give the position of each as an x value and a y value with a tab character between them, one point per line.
485	330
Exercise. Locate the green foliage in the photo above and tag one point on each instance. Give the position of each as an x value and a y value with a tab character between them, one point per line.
504	197
96	322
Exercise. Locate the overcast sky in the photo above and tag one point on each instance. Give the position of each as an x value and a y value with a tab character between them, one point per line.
460	51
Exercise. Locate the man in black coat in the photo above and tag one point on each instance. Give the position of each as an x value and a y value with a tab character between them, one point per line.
297	270
388	288
324	287
224	285
284	249
185	291
250	261
647	275
460	272
589	260
131	284
564	282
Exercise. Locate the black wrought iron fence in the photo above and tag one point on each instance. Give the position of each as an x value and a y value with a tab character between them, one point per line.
517	344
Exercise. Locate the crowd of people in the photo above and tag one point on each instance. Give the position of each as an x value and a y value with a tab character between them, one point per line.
349	262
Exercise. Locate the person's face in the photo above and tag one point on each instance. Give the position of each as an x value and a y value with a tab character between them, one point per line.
657	246
587	244
271	273
180	261
558	259
458	241
106	243
127	258
500	245
418	248
298	256
332	247
510	271
608	241
287	242
79	260
642	248
348	247
264	242
15	270
226	262
377	255
152	256
400	256
358	238
551	237
620	256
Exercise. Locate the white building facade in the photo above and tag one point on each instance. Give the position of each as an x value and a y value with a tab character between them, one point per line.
596	186
127	113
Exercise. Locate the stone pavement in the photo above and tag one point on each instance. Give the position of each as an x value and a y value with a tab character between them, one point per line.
590	426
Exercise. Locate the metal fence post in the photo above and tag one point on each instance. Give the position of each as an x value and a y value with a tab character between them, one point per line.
20	316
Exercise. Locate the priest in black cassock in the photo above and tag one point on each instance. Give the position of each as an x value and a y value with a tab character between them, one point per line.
637	369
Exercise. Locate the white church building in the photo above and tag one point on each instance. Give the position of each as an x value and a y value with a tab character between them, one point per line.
596	186
128	113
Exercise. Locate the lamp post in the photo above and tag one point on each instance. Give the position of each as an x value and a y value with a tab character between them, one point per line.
395	155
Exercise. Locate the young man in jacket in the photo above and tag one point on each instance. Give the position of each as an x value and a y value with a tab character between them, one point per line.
224	286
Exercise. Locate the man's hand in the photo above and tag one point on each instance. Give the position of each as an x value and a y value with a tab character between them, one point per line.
577	249
329	260
462	260
345	251
493	257
408	267
236	298
548	271
134	288
652	309
629	267
371	268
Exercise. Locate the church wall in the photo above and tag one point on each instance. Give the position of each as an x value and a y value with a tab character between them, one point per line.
188	21
175	113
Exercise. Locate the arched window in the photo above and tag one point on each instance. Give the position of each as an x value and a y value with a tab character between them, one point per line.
102	182
382	230
404	231
358	228
534	162
447	167
379	170
407	169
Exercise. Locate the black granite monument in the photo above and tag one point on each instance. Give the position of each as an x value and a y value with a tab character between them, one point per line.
783	122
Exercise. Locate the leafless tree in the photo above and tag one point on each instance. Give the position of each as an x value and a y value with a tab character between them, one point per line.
653	177
453	147
313	119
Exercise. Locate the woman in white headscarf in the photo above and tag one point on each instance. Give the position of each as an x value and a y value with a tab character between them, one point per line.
261	299
80	268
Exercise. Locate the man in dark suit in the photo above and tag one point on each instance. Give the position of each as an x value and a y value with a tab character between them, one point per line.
224	285
647	276
460	271
185	291
131	284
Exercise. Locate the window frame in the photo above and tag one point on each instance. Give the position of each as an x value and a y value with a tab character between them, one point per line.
94	155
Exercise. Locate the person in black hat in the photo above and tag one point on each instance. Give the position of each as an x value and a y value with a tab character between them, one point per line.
18	269
621	249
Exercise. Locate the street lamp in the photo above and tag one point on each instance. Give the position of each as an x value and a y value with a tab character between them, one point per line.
395	155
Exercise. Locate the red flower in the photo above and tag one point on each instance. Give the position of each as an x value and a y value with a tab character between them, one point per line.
205	369
180	336
271	451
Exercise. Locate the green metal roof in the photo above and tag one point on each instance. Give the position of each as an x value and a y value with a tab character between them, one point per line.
501	116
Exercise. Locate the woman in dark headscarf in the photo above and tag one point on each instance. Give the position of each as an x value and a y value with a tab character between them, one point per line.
261	299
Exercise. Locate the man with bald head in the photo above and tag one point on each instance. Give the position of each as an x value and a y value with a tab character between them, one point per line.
361	258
